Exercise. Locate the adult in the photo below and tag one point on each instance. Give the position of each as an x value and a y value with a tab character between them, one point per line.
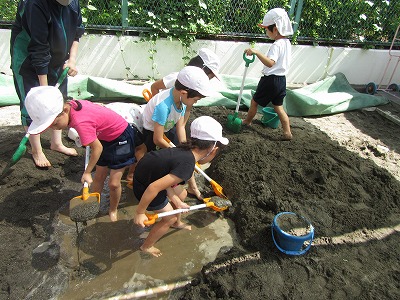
44	41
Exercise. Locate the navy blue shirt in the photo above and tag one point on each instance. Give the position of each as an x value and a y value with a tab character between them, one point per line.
42	35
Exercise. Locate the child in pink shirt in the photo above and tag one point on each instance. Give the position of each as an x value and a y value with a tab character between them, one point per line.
111	139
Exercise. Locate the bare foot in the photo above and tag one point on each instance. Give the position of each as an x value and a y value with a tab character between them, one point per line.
245	123
113	216
152	250
287	137
40	160
181	225
65	150
196	193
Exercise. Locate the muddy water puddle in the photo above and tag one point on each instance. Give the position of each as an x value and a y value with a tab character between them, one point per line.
107	262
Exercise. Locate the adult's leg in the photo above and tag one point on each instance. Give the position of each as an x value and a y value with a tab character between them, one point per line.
38	156
56	144
23	86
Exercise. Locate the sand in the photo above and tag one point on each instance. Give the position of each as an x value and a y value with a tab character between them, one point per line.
340	172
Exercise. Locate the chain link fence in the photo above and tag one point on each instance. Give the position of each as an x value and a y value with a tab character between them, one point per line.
369	23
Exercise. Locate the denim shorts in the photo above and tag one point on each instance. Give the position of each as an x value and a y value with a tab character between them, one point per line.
120	152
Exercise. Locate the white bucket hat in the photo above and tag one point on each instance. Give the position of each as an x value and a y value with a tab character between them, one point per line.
194	78
279	17
211	61
44	104
207	129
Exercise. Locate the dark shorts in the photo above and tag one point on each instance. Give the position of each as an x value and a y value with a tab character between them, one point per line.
120	152
173	137
148	138
270	88
159	202
139	139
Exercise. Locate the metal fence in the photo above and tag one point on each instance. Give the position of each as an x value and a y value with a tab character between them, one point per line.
368	23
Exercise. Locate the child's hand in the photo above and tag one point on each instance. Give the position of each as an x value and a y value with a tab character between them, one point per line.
250	51
87	177
139	219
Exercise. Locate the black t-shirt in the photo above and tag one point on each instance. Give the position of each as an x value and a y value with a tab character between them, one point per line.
156	164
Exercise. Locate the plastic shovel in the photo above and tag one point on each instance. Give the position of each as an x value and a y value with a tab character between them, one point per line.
84	207
218	205
22	145
234	123
147	95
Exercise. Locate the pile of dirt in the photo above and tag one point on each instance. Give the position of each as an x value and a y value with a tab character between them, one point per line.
338	178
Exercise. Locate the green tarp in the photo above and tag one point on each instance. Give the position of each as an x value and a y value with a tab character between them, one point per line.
331	95
8	96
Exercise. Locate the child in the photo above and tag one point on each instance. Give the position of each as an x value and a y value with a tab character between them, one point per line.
158	176
167	110
111	139
207	60
272	86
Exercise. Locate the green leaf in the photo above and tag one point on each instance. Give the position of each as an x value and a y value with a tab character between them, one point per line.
91	7
202	4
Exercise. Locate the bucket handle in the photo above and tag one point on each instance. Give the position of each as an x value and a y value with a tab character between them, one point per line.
289	252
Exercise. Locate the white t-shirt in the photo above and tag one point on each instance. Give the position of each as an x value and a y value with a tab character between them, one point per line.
280	52
162	109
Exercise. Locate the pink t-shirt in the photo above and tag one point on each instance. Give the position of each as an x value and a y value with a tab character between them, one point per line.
95	121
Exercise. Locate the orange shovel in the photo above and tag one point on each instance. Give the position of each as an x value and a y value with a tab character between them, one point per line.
86	206
219	205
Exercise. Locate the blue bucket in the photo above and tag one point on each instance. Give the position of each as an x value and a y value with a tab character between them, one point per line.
270	117
284	234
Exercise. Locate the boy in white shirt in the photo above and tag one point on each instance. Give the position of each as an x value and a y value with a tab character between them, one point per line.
272	85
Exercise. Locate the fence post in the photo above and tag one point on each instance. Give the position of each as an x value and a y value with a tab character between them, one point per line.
292	7
124	13
299	9
298	15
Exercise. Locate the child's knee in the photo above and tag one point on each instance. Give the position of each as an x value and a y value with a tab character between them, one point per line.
113	184
170	220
